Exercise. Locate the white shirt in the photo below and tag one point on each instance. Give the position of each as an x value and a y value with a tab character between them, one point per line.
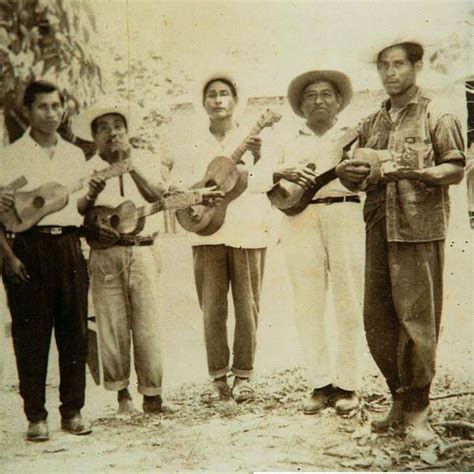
66	165
148	165
300	148
249	217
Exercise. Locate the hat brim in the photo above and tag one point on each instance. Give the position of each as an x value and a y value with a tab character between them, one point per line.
297	86
381	45
81	125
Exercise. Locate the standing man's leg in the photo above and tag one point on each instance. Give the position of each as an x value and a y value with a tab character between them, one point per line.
109	271
211	274
246	274
381	322
145	328
31	306
71	331
416	271
344	238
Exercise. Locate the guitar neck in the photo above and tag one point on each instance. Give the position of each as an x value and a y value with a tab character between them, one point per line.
15	184
241	149
175	201
112	171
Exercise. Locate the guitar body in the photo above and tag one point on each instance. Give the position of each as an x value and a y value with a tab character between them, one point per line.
223	173
124	219
31	206
292	199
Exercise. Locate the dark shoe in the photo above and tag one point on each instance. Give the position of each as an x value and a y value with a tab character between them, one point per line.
76	425
394	419
418	430
318	400
152	405
37	431
344	401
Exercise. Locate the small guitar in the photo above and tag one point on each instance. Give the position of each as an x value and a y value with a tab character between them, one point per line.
31	206
291	198
222	172
127	219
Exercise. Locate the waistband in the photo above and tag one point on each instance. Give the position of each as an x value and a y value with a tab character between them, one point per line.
137	241
332	200
55	230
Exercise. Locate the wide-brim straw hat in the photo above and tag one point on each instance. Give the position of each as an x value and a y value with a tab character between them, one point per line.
81	125
297	86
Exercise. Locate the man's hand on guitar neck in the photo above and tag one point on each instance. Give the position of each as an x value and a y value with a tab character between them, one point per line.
302	175
102	234
6	201
254	145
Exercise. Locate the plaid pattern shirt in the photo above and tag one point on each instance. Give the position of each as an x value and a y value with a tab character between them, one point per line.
415	211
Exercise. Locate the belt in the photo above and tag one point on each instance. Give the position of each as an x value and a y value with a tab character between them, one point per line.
135	241
332	200
55	229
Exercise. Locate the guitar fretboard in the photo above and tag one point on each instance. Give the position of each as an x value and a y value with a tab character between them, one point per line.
174	201
15	184
241	149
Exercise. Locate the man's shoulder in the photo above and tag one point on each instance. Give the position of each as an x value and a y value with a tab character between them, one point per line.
71	149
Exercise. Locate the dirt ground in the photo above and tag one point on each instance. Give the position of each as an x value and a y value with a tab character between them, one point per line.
271	433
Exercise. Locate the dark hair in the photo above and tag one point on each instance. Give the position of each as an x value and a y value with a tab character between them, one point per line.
413	51
232	88
40	87
94	122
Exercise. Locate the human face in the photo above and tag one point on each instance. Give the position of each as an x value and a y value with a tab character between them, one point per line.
110	133
396	72
219	101
45	113
320	102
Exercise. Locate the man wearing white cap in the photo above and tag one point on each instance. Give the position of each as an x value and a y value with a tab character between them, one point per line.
406	214
323	244
124	274
234	256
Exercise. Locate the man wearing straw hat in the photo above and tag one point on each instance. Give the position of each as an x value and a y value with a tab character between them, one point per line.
406	214
124	275
323	244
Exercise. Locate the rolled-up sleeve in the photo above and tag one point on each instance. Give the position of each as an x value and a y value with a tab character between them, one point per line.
448	142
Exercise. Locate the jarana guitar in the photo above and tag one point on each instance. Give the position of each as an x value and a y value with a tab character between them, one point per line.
31	206
127	219
291	198
222	172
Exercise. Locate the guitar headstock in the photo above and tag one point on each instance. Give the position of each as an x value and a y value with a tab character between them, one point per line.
116	169
268	118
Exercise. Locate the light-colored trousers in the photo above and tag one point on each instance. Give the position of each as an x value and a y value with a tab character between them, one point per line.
324	247
124	283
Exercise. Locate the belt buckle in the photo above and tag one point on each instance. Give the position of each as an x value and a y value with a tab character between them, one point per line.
56	231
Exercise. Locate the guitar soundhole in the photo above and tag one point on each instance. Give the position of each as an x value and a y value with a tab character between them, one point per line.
38	202
210	183
114	221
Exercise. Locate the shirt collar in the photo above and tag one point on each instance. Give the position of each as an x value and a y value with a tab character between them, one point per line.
31	142
305	130
414	100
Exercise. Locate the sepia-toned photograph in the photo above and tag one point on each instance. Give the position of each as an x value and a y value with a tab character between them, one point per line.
236	236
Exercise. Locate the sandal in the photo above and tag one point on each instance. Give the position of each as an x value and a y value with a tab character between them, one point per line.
217	391
243	390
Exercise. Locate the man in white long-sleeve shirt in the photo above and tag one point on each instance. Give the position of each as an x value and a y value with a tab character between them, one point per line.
324	244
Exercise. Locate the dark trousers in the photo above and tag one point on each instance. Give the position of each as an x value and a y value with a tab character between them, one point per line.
54	297
402	311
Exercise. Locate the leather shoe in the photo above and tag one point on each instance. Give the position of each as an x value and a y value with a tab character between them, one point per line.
418	430
37	431
318	400
76	425
345	401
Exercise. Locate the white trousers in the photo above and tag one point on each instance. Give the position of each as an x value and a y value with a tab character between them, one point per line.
324	248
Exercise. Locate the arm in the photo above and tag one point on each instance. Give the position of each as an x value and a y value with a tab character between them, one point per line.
13	267
151	192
